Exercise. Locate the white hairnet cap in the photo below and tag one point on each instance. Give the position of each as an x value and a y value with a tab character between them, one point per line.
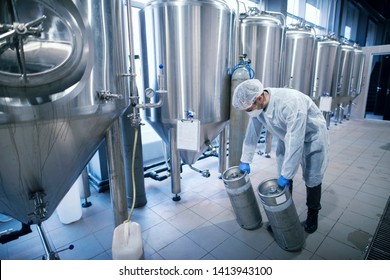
246	93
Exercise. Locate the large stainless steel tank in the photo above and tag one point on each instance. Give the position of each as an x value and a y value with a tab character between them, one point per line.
357	76
192	39
262	36
299	61
357	72
61	66
345	73
193	42
326	68
344	81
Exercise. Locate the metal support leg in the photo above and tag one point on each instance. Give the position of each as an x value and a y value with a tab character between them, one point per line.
327	119
175	165
336	115
49	253
117	173
341	114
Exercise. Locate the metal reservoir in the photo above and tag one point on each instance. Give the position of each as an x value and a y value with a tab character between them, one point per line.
327	63
301	45
282	215
238	119
344	80
61	87
357	76
192	40
242	197
262	36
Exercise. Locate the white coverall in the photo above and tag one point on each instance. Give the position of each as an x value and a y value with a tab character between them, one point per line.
302	135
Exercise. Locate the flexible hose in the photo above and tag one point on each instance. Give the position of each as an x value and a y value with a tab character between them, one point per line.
132	174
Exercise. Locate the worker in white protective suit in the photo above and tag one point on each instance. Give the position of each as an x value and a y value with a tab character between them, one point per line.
302	134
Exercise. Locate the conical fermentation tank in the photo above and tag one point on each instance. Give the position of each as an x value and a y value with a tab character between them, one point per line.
61	87
262	39
299	61
192	41
356	78
345	73
357	72
186	50
327	65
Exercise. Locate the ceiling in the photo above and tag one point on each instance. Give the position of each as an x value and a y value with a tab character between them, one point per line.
381	7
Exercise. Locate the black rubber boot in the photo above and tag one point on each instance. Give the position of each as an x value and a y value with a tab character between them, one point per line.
313	198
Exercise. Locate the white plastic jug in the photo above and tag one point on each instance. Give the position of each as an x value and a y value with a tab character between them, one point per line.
69	209
127	242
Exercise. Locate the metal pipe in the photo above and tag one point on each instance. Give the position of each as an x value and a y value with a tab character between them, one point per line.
222	151
135	116
160	102
205	172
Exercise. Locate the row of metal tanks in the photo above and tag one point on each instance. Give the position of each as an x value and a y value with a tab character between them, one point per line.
200	42
322	66
318	65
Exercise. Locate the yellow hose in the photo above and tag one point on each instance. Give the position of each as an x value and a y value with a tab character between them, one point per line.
132	174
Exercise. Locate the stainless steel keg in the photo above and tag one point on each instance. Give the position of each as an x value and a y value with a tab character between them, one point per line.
282	215
242	198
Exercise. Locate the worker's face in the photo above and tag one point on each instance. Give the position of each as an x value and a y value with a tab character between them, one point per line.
257	104
256	108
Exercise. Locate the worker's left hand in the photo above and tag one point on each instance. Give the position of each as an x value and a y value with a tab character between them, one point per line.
244	167
283	182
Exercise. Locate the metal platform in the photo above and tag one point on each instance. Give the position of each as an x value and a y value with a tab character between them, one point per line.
379	249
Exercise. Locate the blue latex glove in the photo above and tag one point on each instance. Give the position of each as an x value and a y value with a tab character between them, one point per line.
283	182
244	167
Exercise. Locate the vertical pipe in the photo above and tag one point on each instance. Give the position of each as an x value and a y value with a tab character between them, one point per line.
117	174
222	150
128	132
175	164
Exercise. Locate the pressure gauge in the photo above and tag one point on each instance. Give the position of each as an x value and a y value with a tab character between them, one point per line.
149	92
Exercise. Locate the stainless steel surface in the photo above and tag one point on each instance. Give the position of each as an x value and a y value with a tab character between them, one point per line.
193	41
242	197
175	164
357	72
117	173
357	76
282	215
222	151
262	36
300	57
326	68
345	73
262	39
51	118
238	119
344	81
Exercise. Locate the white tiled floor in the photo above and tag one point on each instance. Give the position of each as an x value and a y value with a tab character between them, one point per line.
202	225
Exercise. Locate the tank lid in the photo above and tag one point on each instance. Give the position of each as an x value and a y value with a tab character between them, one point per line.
301	26
255	15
